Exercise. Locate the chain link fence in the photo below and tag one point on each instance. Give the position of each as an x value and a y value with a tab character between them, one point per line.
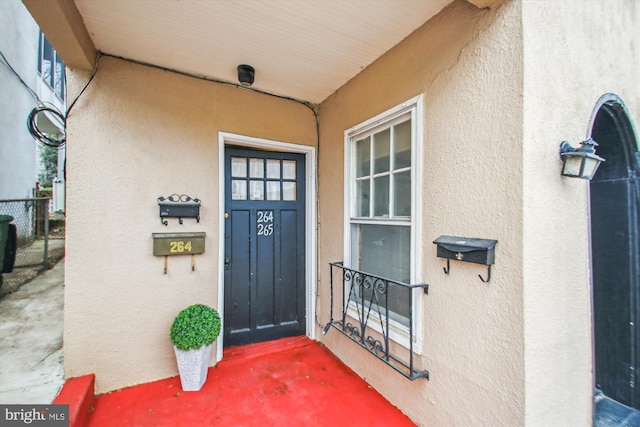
40	239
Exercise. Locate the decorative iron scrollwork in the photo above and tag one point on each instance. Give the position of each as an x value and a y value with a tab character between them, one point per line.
352	331
375	346
178	206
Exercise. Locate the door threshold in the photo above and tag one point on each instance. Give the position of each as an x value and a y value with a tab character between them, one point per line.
250	351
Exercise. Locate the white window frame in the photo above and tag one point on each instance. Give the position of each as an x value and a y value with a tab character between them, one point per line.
398	332
56	62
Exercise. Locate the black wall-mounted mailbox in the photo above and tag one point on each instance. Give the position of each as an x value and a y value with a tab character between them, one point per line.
176	206
479	251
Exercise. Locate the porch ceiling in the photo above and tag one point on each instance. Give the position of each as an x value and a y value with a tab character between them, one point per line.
302	49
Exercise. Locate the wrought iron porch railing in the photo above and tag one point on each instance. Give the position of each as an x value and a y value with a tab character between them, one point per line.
365	302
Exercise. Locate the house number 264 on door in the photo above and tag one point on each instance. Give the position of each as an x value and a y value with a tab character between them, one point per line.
265	223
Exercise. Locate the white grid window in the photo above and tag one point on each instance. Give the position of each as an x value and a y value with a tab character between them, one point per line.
382	184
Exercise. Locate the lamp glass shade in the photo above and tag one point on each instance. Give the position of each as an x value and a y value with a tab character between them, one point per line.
580	164
589	167
572	165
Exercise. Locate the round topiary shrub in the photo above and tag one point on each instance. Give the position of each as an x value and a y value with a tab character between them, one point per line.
195	327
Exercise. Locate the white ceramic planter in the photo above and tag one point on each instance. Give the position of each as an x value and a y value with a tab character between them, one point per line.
193	366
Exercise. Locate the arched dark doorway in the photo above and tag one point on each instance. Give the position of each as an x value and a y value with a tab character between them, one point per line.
615	245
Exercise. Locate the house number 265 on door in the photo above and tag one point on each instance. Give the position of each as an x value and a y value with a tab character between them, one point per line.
265	223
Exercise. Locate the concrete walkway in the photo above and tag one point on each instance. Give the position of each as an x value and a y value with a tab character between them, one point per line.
31	370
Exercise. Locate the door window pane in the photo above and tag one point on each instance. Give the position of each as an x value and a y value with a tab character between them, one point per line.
239	189
238	167
273	168
256	168
381	142
256	190
273	190
381	196
269	179
289	169
402	145
288	190
402	194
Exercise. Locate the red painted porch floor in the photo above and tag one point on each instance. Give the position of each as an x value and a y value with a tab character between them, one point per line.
288	382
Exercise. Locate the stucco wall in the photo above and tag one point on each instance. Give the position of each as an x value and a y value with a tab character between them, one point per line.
501	89
136	134
19	44
574	52
468	64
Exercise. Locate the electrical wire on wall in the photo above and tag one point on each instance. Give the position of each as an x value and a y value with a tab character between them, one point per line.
56	139
45	138
314	110
3	61
49	139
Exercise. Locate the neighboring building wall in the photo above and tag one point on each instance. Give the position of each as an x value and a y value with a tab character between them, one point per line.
138	133
19	44
468	64
574	52
20	163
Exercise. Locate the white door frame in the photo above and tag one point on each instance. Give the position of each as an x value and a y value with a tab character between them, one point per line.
224	139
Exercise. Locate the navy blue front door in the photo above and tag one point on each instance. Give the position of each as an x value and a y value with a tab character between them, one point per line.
264	289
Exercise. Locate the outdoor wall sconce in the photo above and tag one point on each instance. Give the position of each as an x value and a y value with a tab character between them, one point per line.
176	206
246	75
580	162
479	251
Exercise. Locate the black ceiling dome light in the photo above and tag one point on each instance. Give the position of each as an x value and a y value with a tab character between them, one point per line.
246	75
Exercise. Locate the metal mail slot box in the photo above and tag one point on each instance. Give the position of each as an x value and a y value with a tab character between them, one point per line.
479	251
178	243
175	210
